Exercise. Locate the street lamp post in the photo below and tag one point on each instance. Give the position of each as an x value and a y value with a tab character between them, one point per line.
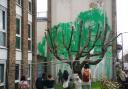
122	42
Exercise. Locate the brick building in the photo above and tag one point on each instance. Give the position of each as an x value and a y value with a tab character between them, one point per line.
17	42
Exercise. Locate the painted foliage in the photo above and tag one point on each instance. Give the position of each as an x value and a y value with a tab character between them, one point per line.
95	32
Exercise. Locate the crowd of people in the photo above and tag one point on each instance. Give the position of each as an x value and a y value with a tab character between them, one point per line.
69	81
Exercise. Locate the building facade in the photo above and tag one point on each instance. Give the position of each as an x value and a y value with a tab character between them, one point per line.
17	31
62	11
41	29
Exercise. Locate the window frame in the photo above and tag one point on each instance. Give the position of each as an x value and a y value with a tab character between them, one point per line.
19	35
30	7
17	2
30	38
4	27
18	71
2	84
29	72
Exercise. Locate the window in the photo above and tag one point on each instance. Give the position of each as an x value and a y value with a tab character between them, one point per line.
17	72
1	87
29	37
18	2
2	38
18	33
3	16
17	26
30	7
2	28
17	85
1	73
29	71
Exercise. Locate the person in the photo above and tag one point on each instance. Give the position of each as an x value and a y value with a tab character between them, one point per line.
121	76
41	82
50	82
23	84
66	80
65	75
78	83
66	83
60	76
86	76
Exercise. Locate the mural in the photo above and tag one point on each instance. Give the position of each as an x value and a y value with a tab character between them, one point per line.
83	39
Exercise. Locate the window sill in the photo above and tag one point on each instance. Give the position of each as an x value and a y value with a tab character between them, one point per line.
28	78
16	81
2	84
3	47
19	50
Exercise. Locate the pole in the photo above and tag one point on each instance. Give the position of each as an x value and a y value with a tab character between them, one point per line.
122	51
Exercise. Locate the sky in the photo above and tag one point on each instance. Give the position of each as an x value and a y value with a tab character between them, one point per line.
122	23
41	5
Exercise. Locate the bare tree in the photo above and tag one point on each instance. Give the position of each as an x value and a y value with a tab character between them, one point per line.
85	38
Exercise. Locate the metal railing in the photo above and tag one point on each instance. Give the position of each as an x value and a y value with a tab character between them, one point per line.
42	14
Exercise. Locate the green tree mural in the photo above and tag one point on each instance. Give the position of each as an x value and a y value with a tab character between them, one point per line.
88	36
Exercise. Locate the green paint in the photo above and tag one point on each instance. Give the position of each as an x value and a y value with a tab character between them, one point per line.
93	17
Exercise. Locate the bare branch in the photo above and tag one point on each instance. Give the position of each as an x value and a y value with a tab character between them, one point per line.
80	34
69	52
70	38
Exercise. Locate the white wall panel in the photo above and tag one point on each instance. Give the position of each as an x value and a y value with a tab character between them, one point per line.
18	10
3	3
3	53
18	55
29	17
29	56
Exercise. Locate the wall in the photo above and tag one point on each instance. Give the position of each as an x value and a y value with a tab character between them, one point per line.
41	27
68	10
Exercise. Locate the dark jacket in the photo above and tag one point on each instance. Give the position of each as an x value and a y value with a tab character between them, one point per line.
50	83
40	83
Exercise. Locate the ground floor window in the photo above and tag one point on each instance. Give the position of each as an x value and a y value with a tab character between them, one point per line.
1	73
16	85
1	87
2	39
17	72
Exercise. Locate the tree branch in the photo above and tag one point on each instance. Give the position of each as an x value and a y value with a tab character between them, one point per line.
70	38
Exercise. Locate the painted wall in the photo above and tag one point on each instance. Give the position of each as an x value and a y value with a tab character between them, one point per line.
41	26
68	10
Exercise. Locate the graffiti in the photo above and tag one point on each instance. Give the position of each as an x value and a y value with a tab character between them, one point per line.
93	23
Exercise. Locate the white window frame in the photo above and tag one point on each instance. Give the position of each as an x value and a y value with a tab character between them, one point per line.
3	83
30	38
4	30
19	63
19	35
19	4
30	1
30	71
